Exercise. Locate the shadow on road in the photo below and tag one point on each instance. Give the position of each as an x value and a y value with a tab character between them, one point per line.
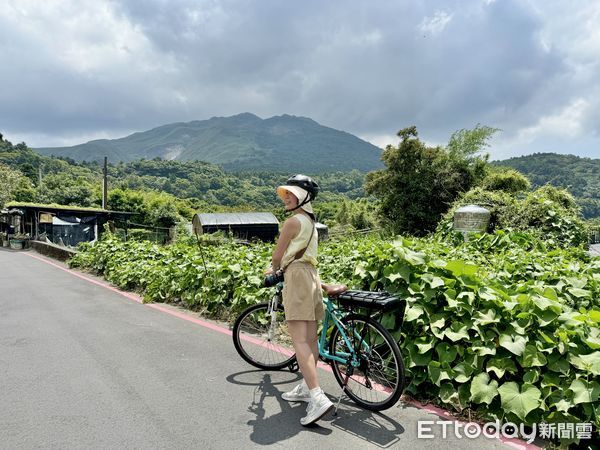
374	428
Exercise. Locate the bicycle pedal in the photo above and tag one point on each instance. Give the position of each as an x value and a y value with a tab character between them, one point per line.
294	367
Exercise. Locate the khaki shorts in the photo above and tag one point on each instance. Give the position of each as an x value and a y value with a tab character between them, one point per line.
302	296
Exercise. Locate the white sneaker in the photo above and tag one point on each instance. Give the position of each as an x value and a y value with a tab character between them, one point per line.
317	408
298	394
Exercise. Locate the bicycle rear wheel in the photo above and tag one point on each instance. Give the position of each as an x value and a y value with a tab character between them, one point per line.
377	380
260	341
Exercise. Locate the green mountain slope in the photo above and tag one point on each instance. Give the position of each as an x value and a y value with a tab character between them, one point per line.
581	176
241	142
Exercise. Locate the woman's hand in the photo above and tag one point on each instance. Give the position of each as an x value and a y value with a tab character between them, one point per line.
269	270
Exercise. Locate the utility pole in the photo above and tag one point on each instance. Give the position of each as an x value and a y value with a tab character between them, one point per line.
105	184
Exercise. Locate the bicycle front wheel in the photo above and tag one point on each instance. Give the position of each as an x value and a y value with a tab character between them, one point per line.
262	339
375	379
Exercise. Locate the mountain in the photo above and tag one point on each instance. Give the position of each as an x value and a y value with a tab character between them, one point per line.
245	141
580	176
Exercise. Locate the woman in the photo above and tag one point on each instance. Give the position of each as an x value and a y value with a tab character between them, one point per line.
296	254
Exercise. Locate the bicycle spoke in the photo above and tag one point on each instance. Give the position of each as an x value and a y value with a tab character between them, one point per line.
377	377
258	342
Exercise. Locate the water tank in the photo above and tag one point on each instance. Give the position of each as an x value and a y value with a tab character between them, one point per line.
471	219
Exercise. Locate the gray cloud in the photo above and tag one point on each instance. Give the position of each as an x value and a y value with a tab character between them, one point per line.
82	69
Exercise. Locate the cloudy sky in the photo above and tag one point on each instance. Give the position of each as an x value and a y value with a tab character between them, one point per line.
76	70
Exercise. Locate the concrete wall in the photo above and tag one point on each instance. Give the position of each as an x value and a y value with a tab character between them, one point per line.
54	251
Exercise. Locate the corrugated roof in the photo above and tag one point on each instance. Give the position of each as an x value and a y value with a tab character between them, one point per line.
59	208
236	218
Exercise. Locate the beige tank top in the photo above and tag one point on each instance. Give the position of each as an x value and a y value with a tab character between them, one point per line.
299	243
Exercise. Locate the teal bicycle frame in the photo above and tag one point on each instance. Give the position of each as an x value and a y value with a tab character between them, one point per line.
334	317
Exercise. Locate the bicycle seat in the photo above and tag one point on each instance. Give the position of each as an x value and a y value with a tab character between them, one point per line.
333	290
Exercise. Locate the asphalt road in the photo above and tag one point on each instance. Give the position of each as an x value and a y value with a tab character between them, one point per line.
82	366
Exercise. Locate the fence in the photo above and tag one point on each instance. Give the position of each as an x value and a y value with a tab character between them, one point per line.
138	231
594	234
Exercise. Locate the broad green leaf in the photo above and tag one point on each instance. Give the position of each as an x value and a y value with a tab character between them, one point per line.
584	392
532	357
513	343
531	376
459	268
551	294
577	292
436	282
448	394
563	405
569	319
468	296
550	379
437	320
593	342
486	293
393	277
486	317
404	272
484	348
463	372
424	344
545	337
414	258
558	363
413	312
416	358
446	352
457	331
590	363
439	372
519	401
438	263
450	294
544	303
482	389
360	271
499	365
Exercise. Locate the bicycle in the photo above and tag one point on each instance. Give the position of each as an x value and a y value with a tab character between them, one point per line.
365	359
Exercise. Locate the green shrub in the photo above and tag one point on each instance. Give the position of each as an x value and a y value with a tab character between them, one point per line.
549	212
506	180
502	325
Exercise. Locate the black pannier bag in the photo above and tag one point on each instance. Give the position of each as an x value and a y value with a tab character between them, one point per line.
383	302
373	300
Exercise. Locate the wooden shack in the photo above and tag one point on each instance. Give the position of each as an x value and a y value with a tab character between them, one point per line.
248	226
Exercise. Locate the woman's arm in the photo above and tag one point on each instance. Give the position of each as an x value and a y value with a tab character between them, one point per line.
289	231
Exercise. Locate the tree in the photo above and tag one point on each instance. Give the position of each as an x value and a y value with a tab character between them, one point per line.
10	180
420	183
509	180
65	190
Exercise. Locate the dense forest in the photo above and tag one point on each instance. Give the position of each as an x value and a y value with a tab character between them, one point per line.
402	197
580	176
176	189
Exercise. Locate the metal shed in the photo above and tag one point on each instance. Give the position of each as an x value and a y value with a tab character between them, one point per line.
63	225
323	231
249	226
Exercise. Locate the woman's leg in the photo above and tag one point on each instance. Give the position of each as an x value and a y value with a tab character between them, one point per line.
304	338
